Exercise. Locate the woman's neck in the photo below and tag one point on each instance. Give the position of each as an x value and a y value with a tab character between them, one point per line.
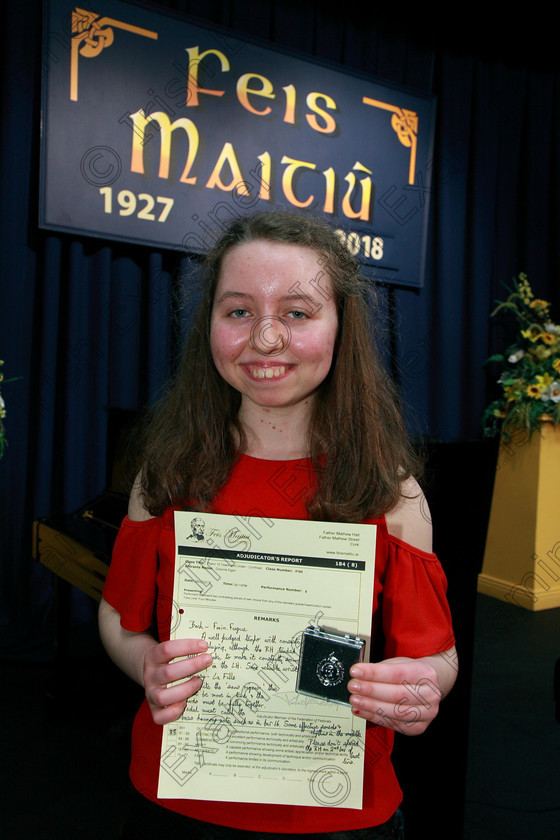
275	434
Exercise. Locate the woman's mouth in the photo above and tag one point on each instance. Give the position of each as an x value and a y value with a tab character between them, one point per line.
272	372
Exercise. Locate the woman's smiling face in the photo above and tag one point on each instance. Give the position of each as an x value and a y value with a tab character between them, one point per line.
274	322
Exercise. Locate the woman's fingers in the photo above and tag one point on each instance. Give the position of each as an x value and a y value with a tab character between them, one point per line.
401	694
171	676
173	710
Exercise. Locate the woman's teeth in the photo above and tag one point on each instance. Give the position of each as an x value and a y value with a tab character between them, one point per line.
267	373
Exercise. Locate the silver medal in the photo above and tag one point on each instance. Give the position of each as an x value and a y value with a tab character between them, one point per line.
330	670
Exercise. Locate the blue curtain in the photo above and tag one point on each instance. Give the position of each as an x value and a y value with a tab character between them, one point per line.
88	324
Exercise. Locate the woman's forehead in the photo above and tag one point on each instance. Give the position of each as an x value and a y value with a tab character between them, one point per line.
263	263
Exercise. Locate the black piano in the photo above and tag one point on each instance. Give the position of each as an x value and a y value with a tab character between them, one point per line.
77	547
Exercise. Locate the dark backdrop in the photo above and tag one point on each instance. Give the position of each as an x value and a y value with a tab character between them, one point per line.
87	324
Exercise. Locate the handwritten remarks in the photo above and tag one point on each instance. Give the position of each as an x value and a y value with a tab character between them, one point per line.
250	589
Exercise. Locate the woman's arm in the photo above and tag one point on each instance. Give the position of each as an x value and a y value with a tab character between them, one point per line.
151	664
404	693
148	662
125	648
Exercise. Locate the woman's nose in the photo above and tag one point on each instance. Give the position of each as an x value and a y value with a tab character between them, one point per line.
270	335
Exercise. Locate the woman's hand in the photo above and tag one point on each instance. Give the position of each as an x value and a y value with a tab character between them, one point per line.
401	693
167	701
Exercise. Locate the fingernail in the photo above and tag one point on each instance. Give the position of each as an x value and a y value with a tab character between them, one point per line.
202	645
356	671
353	685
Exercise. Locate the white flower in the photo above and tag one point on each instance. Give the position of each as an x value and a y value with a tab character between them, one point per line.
516	356
551	393
552	328
555	392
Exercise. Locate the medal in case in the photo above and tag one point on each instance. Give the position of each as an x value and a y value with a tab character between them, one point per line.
325	660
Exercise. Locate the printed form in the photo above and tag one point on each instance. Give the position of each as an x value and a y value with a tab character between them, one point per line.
250	586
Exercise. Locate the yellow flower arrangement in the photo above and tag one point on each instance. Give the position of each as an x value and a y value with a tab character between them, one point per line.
530	376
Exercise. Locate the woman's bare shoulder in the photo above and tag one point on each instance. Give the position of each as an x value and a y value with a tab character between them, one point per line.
410	519
136	507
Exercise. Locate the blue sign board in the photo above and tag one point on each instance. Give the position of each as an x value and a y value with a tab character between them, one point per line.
160	130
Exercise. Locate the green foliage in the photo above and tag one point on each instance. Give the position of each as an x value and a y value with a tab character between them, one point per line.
530	367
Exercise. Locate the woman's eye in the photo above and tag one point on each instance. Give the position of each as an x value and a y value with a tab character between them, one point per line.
297	315
238	313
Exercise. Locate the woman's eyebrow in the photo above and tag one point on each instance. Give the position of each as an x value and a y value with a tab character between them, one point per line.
299	296
234	294
291	297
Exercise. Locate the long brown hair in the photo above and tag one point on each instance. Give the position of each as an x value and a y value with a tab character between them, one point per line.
357	439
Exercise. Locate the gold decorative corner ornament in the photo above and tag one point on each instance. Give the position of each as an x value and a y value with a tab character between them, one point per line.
90	35
405	125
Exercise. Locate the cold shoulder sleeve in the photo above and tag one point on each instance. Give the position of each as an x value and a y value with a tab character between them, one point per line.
416	618
130	586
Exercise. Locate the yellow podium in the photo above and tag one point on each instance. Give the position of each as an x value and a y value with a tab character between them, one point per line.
522	556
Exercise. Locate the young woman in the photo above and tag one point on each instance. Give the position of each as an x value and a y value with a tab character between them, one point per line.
280	370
